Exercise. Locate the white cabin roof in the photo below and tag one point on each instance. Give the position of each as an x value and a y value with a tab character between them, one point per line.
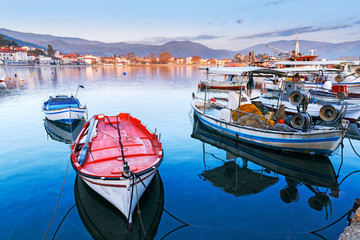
239	71
311	63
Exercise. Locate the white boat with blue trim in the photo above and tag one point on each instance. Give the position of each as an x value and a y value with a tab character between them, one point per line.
230	119
63	108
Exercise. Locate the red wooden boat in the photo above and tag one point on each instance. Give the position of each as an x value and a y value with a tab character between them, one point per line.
117	156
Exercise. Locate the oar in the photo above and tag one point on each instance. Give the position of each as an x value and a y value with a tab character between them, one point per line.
84	150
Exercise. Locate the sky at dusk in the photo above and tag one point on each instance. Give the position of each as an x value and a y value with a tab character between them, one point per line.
232	24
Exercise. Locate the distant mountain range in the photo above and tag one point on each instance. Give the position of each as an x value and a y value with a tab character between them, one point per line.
176	48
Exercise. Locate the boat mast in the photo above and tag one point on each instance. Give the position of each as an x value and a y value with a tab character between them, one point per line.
80	86
297	47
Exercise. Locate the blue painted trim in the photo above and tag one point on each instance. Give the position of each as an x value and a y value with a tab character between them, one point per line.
250	139
50	112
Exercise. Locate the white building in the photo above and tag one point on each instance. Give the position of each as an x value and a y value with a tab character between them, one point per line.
43	60
13	54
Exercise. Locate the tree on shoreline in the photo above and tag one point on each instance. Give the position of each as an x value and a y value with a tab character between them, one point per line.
195	59
164	57
50	51
153	58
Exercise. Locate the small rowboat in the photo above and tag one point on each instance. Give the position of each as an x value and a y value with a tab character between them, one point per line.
117	156
63	108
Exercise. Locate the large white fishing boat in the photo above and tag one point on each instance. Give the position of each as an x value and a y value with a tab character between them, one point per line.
238	118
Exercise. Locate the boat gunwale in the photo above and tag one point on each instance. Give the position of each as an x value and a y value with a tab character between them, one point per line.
157	145
151	168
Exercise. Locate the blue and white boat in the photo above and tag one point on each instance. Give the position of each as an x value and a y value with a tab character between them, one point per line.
63	108
264	131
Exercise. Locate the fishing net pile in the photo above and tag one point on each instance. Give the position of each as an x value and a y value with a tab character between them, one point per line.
249	115
255	119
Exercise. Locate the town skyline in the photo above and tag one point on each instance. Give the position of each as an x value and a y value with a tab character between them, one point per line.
232	25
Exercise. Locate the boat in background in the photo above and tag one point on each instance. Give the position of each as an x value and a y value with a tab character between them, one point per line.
63	108
117	156
322	77
2	82
103	221
63	132
229	83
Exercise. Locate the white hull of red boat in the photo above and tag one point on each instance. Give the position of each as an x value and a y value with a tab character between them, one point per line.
124	194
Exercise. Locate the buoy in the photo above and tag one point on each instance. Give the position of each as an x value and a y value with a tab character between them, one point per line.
124	73
9	78
281	121
22	80
328	85
15	75
213	100
29	76
357	71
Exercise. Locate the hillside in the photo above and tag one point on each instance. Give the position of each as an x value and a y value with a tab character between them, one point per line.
176	48
83	46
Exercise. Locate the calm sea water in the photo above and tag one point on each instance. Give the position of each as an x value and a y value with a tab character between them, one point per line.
222	190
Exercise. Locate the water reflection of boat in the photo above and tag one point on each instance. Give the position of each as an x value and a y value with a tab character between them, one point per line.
62	132
236	180
104	221
312	172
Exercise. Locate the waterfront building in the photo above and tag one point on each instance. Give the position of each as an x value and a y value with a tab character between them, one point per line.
13	54
43	60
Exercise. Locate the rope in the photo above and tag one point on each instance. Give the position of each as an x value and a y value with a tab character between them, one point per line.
353	148
139	211
332	223
131	198
173	231
63	221
121	145
152	196
348	176
118	129
342	158
57	204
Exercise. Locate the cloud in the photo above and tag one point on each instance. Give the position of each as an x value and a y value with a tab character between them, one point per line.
357	22
292	31
239	21
273	2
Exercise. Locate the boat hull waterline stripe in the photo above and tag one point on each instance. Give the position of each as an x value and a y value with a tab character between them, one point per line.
266	142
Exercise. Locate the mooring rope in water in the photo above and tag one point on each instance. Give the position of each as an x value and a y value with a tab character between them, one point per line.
57	204
353	148
139	211
63	220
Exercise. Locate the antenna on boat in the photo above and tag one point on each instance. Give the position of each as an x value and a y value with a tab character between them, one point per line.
80	86
297	47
